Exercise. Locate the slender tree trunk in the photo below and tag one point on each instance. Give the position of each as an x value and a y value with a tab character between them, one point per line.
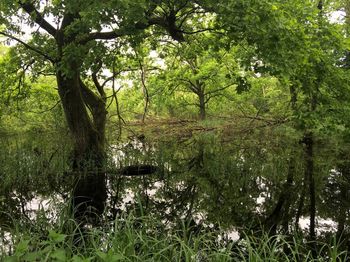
202	111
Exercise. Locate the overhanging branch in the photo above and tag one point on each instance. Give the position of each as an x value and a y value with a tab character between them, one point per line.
29	46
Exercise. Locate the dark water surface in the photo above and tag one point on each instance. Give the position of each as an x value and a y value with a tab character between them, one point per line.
239	183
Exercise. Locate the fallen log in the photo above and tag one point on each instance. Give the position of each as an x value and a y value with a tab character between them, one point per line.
138	170
133	170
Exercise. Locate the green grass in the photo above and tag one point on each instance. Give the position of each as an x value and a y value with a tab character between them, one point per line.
145	239
127	239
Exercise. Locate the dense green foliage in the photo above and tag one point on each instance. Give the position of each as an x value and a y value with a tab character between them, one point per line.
247	43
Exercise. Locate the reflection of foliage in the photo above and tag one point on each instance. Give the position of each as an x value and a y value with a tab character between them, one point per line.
218	182
203	182
32	169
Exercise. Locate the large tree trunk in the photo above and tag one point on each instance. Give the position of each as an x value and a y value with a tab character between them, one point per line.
88	137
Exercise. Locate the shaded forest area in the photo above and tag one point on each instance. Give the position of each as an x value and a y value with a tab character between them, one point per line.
163	130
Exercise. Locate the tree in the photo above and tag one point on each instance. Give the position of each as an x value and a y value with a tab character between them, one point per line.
71	38
295	42
201	66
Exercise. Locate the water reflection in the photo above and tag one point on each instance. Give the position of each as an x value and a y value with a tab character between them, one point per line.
243	185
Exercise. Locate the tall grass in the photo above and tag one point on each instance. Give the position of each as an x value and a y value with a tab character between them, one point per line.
126	239
131	238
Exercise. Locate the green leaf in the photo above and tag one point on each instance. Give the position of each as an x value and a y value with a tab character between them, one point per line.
274	7
59	255
56	237
22	247
109	256
80	259
33	256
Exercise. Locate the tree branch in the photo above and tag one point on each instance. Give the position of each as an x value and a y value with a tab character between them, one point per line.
89	97
37	17
192	86
47	110
116	73
218	90
29	47
102	36
117	33
197	31
97	83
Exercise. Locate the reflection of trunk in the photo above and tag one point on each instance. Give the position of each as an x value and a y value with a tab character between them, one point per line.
289	184
197	162
202	113
309	174
300	205
88	138
342	212
343	197
282	207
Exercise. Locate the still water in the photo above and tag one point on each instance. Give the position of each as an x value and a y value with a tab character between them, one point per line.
243	183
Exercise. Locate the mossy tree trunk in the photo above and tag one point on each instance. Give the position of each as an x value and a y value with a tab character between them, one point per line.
85	114
88	135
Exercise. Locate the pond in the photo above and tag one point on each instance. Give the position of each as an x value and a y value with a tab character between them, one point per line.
242	184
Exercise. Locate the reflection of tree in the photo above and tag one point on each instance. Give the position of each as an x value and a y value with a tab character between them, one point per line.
199	182
336	197
281	212
31	171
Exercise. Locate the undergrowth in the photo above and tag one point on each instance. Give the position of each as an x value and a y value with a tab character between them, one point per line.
131	238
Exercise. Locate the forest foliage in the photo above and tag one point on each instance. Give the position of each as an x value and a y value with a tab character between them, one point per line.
239	58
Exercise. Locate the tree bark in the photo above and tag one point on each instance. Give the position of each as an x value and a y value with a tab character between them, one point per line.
89	193
202	111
